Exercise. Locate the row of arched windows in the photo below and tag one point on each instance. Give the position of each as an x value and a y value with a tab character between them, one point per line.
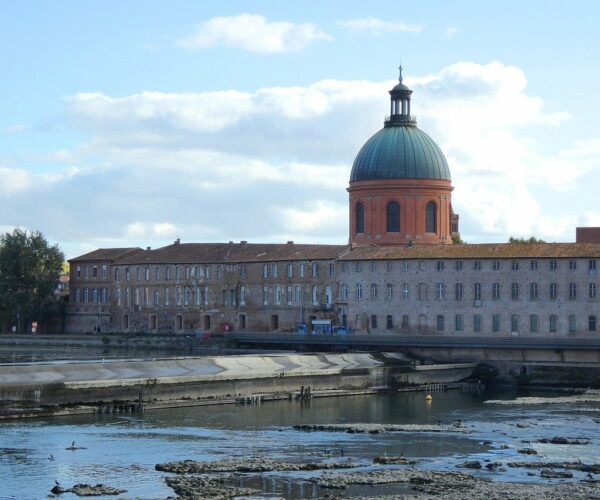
393	217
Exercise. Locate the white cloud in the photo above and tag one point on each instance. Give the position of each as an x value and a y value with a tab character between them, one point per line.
253	33
273	164
14	129
377	26
451	31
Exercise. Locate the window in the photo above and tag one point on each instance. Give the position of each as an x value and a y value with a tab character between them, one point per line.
496	291
315	270
572	265
592	323
186	296
592	290
552	323
358	267
302	270
197	296
405	291
458	322
78	271
147	273
166	297
105	270
117	274
514	291
344	267
514	323
344	292
265	270
244	274
359	291
477	291
207	275
95	272
389	322
127	296
405	322
373	266
157	273
533	291
458	265
289	296
188	272
422	291
177	272
298	293
389	266
243	296
117	295
278	294
274	270
265	295
458	291
389	291
373	321
331	269
514	265
477	323
553	265
440	323
360	218
572	291
553	291
440	265
495	265
393	217
168	273
95	295
477	265
572	323
430	217
315	295
440	291
592	265
496	323
156	297
533	323
405	265
373	291
533	265
86	271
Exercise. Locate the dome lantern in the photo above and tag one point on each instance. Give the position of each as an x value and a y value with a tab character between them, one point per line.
400	106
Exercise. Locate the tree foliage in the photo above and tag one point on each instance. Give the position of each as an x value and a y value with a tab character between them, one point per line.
531	239
29	270
457	240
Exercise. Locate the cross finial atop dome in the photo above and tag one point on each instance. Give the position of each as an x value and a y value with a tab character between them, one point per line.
400	77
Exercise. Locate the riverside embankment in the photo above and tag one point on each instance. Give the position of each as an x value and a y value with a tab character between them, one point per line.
119	385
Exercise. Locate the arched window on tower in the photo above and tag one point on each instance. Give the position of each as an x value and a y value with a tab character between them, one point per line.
360	218
393	217
431	217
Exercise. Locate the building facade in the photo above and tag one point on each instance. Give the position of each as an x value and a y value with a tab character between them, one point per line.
399	273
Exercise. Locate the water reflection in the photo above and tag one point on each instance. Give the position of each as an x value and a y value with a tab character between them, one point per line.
123	449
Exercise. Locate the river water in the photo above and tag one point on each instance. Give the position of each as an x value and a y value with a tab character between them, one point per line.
121	451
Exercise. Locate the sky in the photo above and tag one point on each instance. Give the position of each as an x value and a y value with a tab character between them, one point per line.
134	123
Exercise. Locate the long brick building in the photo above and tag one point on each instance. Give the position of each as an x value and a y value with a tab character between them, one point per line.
399	273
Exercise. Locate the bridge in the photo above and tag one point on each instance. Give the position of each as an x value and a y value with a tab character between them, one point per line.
393	342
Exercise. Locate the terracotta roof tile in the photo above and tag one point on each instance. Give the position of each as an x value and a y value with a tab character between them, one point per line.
191	253
477	251
109	254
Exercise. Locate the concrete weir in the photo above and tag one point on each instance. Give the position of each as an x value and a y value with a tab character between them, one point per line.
126	386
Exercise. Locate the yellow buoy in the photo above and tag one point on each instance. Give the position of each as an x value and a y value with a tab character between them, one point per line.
428	397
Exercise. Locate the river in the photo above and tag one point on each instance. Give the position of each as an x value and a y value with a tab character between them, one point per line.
121	451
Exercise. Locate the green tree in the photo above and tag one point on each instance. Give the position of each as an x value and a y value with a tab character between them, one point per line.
29	270
531	239
457	240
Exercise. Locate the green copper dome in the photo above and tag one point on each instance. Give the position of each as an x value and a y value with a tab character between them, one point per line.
400	150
